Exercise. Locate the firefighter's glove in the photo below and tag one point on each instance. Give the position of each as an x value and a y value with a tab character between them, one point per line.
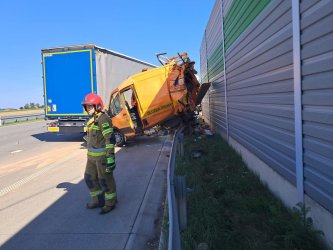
109	168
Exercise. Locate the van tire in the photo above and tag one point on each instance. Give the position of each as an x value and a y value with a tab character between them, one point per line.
120	138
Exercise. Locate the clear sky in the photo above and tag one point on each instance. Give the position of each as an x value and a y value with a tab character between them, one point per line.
135	28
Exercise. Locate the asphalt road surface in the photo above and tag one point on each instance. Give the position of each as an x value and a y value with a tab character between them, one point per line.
43	195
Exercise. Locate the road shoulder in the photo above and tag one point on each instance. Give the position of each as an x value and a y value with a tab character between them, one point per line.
147	227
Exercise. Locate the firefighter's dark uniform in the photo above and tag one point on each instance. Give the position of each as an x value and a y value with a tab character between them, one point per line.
101	162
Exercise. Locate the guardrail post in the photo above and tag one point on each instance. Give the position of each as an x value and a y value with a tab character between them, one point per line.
180	192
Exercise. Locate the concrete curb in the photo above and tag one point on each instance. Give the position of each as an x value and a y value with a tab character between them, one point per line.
146	229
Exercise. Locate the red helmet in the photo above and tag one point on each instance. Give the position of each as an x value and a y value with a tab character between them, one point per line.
93	99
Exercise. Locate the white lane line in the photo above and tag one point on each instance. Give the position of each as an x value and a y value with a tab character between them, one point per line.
27	179
16	151
21	182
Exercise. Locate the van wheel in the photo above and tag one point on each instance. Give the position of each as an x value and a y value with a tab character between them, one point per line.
120	138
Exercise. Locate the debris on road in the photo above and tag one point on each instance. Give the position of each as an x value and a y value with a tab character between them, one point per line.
195	154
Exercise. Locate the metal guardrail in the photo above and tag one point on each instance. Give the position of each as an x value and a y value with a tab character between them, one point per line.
13	119
176	193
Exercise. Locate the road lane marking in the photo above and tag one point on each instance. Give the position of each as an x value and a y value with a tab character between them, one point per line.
16	151
21	182
27	179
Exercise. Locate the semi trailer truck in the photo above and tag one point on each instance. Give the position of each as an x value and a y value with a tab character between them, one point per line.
71	72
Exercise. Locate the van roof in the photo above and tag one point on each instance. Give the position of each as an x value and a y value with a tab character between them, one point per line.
134	78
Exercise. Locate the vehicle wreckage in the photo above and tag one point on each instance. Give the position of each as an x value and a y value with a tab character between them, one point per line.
165	95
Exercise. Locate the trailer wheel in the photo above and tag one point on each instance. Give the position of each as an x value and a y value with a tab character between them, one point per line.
120	138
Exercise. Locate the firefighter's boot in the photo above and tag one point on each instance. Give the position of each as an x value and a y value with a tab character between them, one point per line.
110	203
107	209
97	201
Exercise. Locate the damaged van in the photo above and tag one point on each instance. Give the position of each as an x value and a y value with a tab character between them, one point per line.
163	95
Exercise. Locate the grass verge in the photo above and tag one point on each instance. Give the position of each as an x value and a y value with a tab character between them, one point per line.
6	113
229	208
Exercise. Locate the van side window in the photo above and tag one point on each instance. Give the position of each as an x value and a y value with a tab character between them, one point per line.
115	106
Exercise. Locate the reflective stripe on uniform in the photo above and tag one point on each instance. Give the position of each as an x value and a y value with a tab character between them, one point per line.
105	125
95	193
110	160
109	146
110	196
107	131
94	127
96	153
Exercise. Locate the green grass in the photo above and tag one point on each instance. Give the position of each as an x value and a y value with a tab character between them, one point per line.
229	208
23	111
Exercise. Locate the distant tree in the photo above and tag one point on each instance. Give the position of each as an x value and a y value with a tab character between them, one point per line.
32	105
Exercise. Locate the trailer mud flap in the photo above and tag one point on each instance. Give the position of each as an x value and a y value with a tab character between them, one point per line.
202	92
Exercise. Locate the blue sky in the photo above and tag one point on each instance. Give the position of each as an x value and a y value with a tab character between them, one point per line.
135	28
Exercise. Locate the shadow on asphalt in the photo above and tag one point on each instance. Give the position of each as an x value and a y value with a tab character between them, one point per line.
77	228
67	224
58	137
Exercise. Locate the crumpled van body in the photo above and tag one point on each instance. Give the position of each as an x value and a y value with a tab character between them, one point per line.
167	93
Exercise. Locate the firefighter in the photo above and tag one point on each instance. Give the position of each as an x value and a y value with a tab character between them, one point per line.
101	157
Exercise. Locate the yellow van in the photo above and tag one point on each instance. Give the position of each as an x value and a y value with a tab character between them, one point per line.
160	95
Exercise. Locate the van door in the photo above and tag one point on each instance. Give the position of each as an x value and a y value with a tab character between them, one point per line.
120	116
132	108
